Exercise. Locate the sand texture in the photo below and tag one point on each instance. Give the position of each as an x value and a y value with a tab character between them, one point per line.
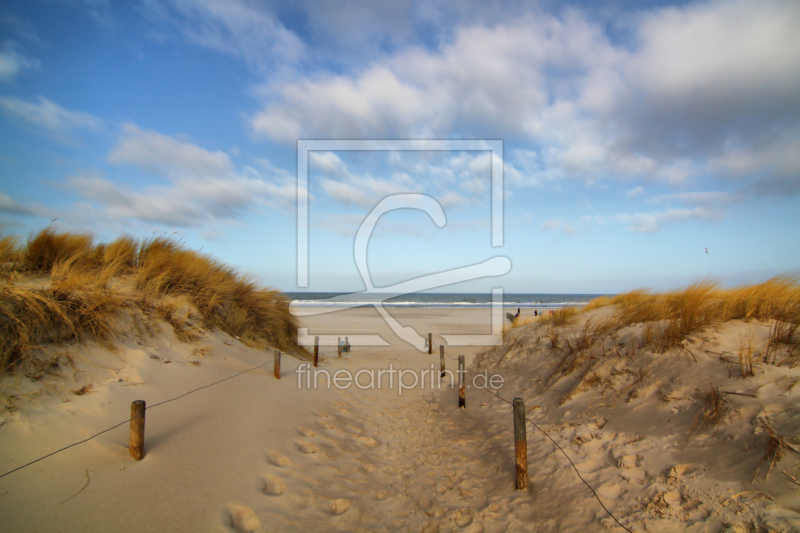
258	454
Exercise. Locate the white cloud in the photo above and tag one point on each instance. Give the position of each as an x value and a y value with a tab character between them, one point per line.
49	116
186	203
201	190
161	153
699	198
652	222
738	50
240	28
12	61
9	205
24	29
707	74
455	180
99	10
635	192
549	225
365	191
327	162
376	105
453	199
780	158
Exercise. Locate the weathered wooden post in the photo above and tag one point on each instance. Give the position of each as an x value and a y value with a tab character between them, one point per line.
347	345
520	444
136	446
462	396
316	350
441	360
430	343
339	346
276	362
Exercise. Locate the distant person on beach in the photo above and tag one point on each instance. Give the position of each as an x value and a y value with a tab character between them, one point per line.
518	312
535	312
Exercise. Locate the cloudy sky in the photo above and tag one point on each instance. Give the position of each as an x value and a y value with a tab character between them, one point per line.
635	134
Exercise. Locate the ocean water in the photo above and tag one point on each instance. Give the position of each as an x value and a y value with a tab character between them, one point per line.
445	300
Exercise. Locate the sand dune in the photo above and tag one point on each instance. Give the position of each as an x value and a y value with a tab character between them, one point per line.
258	454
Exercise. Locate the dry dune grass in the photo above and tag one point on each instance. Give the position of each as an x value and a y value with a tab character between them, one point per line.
30	317
8	249
558	318
634	351
666	319
670	317
714	406
91	283
226	299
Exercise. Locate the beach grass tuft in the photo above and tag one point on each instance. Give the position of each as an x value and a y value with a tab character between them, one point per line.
777	446
63	287
714	406
669	317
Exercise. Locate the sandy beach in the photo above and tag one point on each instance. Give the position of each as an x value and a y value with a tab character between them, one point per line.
259	454
211	449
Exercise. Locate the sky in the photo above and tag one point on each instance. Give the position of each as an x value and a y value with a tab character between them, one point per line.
644	144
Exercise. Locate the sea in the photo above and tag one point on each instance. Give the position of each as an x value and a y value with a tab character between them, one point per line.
442	300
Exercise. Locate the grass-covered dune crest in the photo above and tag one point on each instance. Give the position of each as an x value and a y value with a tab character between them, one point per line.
61	286
668	318
681	409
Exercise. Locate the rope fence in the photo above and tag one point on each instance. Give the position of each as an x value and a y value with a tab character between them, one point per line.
516	409
138	410
520	437
135	415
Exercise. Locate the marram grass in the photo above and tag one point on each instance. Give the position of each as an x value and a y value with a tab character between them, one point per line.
62	286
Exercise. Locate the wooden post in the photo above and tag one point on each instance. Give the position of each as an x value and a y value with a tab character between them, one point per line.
276	363
339	346
347	345
430	343
520	444
316	350
441	360
136	446
462	396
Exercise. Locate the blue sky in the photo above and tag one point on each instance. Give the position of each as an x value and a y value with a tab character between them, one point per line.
635	134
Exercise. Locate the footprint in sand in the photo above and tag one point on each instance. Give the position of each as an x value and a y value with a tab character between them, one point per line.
278	459
609	491
306	432
306	447
272	485
463	518
243	519
673	498
431	527
338	506
628	461
678	471
369	468
367	441
324	424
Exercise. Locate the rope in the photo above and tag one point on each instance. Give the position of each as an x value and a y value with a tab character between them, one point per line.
128	420
568	459
449	356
